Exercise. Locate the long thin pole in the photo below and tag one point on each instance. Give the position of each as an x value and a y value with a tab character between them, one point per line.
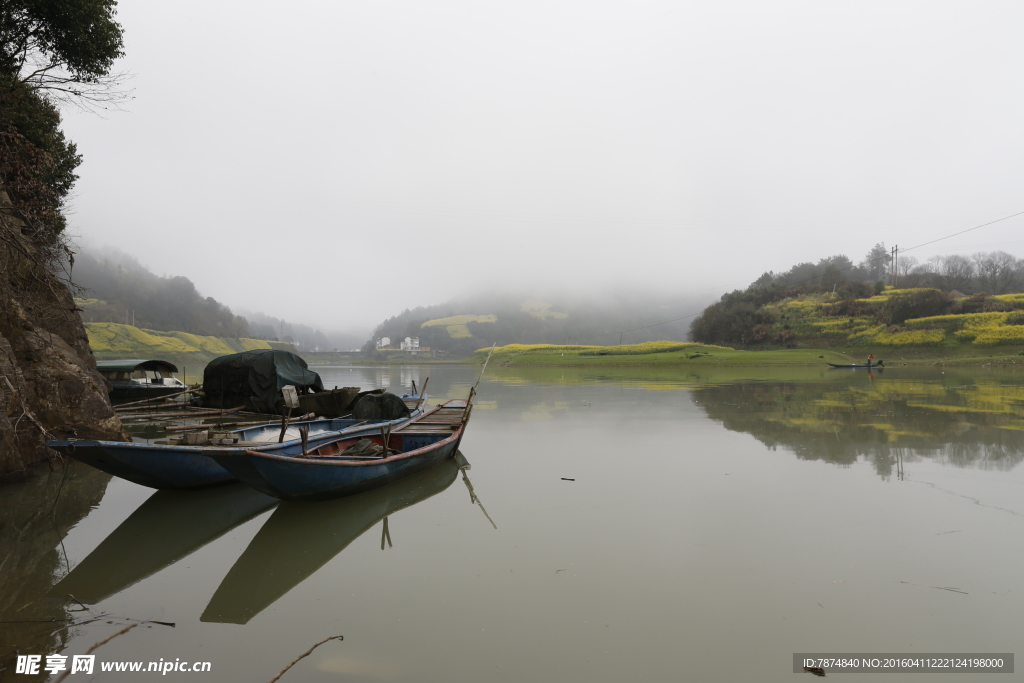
484	367
423	393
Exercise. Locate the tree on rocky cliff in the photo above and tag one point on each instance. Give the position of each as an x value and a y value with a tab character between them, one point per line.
63	47
51	51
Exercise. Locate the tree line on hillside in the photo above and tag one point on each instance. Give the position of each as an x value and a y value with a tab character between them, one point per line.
995	272
594	321
740	317
130	293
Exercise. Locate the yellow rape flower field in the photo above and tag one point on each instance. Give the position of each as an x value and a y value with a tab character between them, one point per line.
457	325
114	340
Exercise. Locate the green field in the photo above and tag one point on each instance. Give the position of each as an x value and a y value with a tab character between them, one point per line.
692	355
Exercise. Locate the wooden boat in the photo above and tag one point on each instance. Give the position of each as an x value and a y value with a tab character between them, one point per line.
168	527
166	466
879	365
300	538
137	379
330	472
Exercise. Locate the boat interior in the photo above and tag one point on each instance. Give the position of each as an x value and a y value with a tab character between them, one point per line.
432	427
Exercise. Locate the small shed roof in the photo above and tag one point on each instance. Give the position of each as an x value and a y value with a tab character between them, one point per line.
132	364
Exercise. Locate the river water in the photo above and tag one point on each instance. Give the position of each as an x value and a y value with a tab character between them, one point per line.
626	525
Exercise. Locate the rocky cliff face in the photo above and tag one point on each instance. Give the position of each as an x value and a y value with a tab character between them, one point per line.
48	378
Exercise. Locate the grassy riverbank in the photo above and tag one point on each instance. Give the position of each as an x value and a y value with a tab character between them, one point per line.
677	354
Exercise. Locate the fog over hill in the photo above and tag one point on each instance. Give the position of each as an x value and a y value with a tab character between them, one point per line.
115	287
460	326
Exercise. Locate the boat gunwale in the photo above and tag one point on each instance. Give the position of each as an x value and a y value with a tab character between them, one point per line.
270	445
335	460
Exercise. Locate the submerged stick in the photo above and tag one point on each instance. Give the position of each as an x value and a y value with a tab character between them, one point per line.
941	588
94	647
473	497
304	654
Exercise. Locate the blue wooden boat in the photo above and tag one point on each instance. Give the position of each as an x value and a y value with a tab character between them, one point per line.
878	366
165	466
329	472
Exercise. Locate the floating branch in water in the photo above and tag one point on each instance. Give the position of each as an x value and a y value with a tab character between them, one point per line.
941	588
304	654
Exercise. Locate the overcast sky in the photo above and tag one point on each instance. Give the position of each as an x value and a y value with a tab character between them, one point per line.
335	162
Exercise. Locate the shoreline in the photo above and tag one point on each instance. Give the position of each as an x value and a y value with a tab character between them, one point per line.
698	355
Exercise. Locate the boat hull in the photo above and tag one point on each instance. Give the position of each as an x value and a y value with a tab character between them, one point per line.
193	467
327	477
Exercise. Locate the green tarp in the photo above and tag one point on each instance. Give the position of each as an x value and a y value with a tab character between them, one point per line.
254	379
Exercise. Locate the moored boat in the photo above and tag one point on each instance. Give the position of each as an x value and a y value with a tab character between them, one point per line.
353	463
169	466
134	379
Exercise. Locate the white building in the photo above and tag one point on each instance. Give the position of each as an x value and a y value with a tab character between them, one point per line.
383	342
411	344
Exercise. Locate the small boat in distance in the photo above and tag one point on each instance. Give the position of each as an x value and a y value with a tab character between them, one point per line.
134	379
880	365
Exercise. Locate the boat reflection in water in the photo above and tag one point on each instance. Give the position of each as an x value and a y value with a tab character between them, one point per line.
301	537
169	526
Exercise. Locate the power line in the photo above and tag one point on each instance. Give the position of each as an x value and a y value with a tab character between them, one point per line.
800	282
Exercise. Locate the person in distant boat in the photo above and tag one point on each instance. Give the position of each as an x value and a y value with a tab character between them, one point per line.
870	358
872	365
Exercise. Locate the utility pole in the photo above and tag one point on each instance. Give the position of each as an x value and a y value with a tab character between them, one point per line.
896	265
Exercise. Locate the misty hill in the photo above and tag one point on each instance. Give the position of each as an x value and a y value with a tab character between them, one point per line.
835	303
116	288
263	326
119	289
457	328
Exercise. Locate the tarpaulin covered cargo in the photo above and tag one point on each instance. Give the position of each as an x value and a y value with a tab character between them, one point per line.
254	379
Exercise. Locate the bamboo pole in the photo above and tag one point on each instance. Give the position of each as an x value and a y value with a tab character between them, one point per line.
150	416
284	425
185	428
486	361
423	392
148	400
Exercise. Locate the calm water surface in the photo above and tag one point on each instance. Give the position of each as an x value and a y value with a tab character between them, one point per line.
714	525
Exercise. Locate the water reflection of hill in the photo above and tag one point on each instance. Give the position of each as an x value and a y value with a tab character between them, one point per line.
964	424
